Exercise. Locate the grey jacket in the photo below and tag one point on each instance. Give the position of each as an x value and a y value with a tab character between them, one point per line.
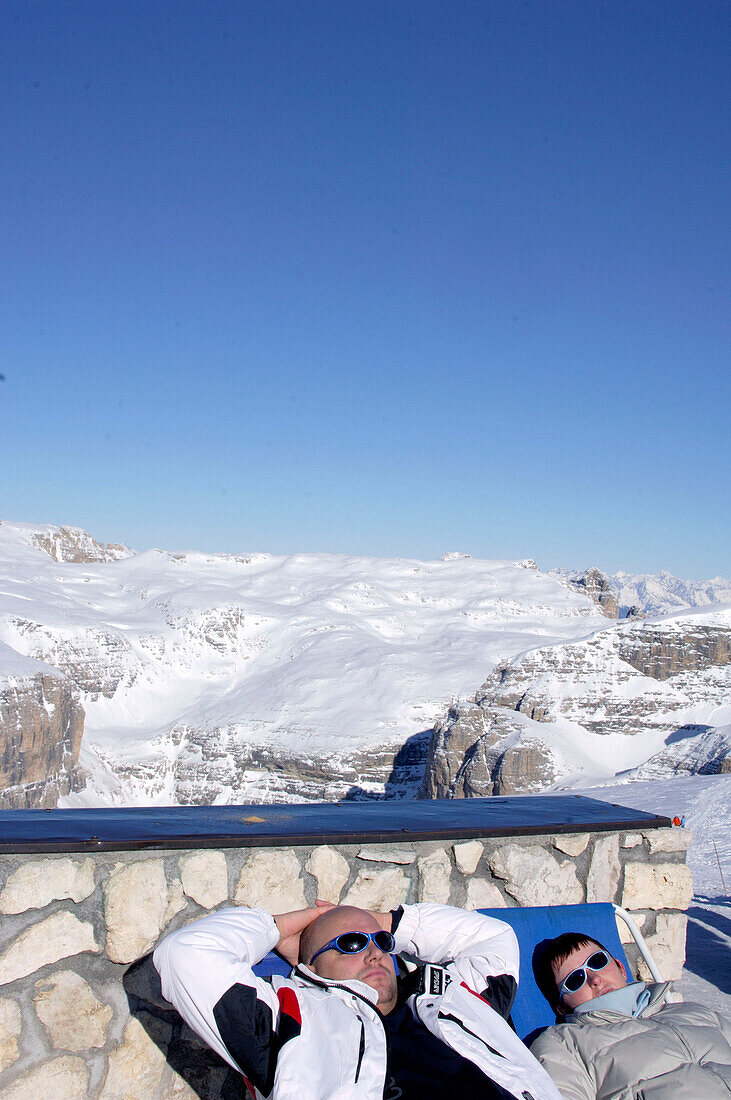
670	1052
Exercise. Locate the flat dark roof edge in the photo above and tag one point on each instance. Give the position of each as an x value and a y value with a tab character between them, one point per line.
303	840
304	824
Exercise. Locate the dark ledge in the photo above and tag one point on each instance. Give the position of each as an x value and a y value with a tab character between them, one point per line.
134	829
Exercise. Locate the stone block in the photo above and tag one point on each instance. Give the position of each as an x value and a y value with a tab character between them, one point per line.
379	890
136	1065
137	905
604	869
435	877
177	1088
384	854
73	1016
204	878
272	879
467	855
571	844
534	877
669	840
10	1026
632	840
667	947
64	1078
331	870
625	936
658	886
482	894
56	937
35	884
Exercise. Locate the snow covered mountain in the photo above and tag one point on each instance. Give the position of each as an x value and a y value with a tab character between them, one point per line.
661	593
224	678
235	678
624	595
638	699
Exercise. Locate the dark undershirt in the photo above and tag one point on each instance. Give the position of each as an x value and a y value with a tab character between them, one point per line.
425	1068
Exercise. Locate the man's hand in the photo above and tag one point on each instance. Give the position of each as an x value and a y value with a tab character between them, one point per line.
292	925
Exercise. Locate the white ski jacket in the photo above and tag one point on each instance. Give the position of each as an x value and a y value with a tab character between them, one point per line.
305	1037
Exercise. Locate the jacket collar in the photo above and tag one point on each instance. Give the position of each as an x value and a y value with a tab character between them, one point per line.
360	989
610	1004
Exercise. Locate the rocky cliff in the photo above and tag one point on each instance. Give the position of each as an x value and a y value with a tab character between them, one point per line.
72	544
597	586
41	726
636	692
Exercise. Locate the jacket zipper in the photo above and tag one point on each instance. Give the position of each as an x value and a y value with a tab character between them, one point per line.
352	992
361	1049
334	985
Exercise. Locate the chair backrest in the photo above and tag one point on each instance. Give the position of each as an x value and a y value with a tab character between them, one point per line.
531	1011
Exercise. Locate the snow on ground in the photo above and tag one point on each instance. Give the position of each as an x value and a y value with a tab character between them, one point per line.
17	667
705	802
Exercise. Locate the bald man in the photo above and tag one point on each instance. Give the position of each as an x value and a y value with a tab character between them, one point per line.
350	1021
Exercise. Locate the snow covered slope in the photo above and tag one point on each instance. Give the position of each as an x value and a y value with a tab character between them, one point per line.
235	678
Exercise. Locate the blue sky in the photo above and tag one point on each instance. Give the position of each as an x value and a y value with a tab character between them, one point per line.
387	278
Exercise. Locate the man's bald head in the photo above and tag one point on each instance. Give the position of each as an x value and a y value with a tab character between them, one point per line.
370	966
333	922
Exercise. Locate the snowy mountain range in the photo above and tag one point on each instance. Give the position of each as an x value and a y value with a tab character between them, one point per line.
224	678
656	593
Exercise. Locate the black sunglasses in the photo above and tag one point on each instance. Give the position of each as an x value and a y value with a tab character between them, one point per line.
350	943
574	981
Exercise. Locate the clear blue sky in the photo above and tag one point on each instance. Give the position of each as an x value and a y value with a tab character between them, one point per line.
387	278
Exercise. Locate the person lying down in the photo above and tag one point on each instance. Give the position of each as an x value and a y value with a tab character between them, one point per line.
350	1021
621	1039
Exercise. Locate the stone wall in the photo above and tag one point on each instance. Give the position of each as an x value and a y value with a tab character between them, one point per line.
81	1015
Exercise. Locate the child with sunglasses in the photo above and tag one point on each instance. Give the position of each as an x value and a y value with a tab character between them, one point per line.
351	1020
620	1039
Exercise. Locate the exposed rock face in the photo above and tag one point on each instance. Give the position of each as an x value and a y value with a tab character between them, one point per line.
480	751
97	661
202	765
664	653
597	587
41	725
630	679
72	544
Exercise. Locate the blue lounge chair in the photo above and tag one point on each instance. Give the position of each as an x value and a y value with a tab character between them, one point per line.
531	1011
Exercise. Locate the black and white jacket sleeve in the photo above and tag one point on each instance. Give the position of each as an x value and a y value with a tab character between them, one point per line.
206	973
483	952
